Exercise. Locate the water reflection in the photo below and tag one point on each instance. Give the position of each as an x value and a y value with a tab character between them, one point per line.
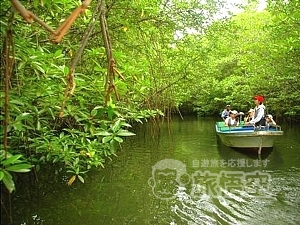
126	191
226	151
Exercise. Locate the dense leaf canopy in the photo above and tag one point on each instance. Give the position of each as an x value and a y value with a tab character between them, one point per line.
169	53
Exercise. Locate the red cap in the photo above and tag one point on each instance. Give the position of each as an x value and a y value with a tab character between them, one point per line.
259	98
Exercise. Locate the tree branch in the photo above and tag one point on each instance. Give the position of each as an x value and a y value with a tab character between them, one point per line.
70	88
8	62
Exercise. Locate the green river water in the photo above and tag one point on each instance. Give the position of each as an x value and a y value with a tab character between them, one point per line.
182	175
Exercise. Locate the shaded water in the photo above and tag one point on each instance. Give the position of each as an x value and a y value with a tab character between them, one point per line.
217	185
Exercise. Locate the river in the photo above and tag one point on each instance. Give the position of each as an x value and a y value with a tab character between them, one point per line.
178	174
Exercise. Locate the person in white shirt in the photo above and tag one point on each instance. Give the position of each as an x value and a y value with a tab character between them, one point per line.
259	112
232	119
270	121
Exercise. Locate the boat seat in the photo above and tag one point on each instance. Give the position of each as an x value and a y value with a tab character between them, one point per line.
222	126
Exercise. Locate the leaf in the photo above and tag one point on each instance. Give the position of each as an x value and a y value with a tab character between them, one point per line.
18	126
118	139
1	175
72	179
16	102
92	130
80	178
52	114
138	120
106	139
8	182
37	167
66	70
90	154
19	168
99	107
125	133
126	124
22	116
110	112
103	133
38	67
94	112
11	160
116	125
38	125
58	53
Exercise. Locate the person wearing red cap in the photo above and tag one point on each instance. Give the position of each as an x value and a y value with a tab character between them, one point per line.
259	112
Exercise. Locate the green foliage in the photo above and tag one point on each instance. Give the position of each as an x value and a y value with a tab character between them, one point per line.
80	141
11	164
250	54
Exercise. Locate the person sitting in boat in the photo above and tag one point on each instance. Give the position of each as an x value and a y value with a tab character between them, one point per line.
232	120
225	113
250	115
259	112
269	121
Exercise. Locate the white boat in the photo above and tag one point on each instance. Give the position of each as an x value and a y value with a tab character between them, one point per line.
248	136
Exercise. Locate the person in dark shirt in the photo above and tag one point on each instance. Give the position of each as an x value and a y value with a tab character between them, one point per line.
225	112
